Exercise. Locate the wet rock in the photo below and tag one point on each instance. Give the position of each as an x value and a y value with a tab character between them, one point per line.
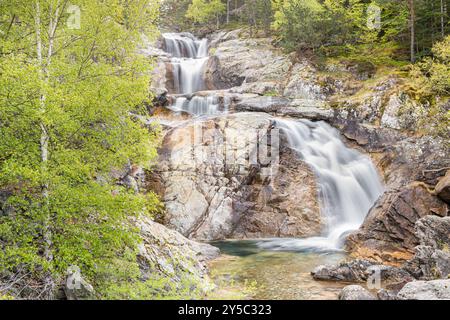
426	290
355	292
388	233
443	188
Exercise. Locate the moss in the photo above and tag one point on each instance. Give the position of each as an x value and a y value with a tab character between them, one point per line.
272	93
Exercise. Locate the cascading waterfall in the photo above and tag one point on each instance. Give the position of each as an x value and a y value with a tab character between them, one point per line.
348	183
199	105
189	57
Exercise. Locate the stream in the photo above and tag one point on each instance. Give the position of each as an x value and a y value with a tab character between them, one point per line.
273	275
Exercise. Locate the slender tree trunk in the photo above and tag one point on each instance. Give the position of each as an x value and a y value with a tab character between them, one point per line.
412	21
442	19
44	139
228	11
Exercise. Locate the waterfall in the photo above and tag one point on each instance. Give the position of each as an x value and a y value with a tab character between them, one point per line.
189	57
348	183
198	105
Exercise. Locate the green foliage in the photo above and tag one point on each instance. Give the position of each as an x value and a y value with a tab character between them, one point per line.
315	23
73	99
203	11
433	73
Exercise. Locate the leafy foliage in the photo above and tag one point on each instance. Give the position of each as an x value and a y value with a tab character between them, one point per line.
69	92
202	11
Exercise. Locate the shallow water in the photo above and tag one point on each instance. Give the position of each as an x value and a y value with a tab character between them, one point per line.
278	275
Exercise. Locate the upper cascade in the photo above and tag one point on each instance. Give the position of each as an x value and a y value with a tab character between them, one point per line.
185	45
189	58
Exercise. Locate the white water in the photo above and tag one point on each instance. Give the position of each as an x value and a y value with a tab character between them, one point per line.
199	105
189	58
348	183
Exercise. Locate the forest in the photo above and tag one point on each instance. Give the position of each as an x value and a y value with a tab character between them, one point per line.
98	190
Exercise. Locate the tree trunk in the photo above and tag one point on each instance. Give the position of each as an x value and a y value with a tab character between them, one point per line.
412	22
44	139
228	11
442	19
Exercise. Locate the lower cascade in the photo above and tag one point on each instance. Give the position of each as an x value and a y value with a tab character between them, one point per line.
199	105
348	183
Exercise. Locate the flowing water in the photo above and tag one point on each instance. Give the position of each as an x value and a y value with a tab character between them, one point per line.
348	186
189	59
348	183
245	271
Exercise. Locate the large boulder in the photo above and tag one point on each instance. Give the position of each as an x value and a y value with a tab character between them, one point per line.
426	290
347	271
214	186
388	233
170	254
362	271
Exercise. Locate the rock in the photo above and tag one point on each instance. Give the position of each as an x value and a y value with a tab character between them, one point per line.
402	113
237	60
388	233
211	189
310	113
391	277
355	292
426	290
76	287
303	83
262	104
352	271
386	295
443	188
261	88
429	263
167	252
434	231
432	256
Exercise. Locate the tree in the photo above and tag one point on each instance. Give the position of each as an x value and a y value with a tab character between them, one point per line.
204	11
66	95
412	25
